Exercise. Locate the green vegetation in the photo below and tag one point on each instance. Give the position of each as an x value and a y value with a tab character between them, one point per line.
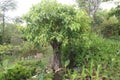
57	25
61	42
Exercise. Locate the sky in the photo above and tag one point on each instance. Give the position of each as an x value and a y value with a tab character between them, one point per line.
23	6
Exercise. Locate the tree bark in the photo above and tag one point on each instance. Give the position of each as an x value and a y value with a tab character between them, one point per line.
72	59
71	54
56	58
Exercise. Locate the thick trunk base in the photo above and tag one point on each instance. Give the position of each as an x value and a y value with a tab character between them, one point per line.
56	59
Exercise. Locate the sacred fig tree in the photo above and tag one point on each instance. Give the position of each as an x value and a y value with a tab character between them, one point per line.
55	23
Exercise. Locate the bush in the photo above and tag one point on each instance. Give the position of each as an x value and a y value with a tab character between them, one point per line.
39	69
5	49
1	76
75	50
117	38
111	30
100	60
32	63
9	52
100	50
9	49
29	48
19	72
103	50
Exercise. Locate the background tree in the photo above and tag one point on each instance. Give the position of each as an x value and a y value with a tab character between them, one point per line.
114	28
107	23
90	6
6	5
12	34
115	12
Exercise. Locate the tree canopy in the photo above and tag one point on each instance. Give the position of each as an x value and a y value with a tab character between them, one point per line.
6	5
55	20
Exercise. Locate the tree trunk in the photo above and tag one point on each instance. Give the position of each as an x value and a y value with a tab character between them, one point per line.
71	54
72	59
56	58
3	27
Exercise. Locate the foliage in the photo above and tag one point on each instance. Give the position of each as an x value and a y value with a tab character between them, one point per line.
4	66
102	46
12	35
0	38
106	24
55	24
98	61
115	38
5	49
19	72
8	49
101	51
33	64
39	66
66	29
9	52
26	48
101	16
77	49
110	25
55	21
111	30
5	6
90	6
115	12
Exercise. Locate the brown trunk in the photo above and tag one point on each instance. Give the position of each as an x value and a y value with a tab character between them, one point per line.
57	65
56	58
72	59
71	55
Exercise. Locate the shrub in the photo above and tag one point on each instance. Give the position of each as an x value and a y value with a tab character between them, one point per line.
29	48
1	76
117	38
9	49
32	63
19	72
101	51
